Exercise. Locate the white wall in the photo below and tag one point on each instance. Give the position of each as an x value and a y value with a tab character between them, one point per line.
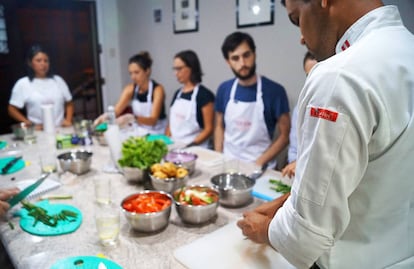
108	36
279	54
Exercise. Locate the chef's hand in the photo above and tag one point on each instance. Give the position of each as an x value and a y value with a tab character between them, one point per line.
289	169
254	226
6	194
66	123
269	209
100	119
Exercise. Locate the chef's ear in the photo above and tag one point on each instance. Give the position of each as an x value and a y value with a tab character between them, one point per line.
324	3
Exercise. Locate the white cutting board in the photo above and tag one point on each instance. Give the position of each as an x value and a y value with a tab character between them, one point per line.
226	248
262	188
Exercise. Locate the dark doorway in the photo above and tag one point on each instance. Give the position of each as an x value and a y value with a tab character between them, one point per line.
67	28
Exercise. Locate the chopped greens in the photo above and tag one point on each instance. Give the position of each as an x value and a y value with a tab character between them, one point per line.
40	214
279	186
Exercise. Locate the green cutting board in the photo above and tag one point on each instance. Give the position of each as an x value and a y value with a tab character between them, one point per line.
163	138
3	144
84	262
19	165
63	227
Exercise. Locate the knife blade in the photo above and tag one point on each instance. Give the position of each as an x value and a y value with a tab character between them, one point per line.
10	164
23	194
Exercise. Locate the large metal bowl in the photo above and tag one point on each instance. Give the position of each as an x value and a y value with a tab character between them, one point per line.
235	188
148	222
20	130
134	174
75	161
182	158
196	214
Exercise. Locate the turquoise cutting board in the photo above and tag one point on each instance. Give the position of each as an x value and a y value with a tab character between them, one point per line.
163	138
63	227
84	262
19	165
3	144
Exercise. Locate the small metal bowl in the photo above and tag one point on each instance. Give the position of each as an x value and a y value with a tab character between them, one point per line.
235	188
182	158
134	174
168	184
148	222
20	130
75	161
196	214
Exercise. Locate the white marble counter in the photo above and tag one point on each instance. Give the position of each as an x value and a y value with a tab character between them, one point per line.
134	250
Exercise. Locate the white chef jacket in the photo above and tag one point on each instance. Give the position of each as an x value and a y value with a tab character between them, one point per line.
352	201
33	94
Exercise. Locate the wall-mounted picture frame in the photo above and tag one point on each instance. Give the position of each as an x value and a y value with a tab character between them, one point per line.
185	15
252	13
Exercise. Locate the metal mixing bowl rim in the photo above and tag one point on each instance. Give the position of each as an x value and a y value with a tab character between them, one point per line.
149	213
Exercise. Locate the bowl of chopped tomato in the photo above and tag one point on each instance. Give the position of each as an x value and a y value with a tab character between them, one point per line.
147	211
196	204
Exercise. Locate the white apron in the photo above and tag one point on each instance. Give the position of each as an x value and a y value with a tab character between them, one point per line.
144	110
183	119
245	136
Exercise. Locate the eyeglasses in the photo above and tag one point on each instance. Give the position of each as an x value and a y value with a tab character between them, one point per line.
178	68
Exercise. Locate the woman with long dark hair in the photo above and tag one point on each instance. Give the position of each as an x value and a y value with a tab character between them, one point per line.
40	87
191	119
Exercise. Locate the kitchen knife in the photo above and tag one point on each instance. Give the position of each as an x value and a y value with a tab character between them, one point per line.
17	198
10	164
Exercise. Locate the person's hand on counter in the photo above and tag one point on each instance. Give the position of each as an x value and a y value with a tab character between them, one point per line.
254	224
6	194
289	169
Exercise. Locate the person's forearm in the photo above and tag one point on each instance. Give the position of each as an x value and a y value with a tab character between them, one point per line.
69	111
275	148
202	136
218	139
151	121
17	115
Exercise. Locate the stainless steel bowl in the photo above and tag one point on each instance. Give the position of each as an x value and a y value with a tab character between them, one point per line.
235	189
148	222
75	161
182	158
20	130
168	184
134	174
196	214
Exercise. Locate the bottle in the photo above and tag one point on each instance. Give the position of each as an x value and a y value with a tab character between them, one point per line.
111	115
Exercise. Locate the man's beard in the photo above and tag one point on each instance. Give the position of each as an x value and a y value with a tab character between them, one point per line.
249	75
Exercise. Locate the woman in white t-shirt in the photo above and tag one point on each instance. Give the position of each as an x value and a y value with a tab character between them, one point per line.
40	87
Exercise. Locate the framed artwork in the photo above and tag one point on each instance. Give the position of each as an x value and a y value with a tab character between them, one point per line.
254	12
185	14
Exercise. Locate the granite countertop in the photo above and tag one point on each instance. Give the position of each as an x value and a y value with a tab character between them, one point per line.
134	250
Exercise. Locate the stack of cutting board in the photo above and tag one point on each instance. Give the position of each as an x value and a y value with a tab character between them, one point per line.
227	248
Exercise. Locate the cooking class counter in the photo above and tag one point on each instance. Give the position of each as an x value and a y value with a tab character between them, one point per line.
133	250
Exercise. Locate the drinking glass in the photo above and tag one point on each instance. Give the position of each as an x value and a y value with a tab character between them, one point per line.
102	190
107	221
48	162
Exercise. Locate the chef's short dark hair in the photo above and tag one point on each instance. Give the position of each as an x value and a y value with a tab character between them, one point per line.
233	40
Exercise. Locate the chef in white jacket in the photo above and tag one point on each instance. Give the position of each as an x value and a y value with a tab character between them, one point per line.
352	200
